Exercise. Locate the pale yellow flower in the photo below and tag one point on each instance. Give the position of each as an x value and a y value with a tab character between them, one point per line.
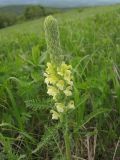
63	68
54	98
60	107
55	115
60	84
47	81
67	91
71	105
70	83
45	74
67	75
65	71
50	68
53	79
52	91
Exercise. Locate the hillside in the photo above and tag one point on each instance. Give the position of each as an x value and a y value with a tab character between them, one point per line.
35	26
15	9
11	15
61	102
19	9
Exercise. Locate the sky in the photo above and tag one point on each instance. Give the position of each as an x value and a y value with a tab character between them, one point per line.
60	3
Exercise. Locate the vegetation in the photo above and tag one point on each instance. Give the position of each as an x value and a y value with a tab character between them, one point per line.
90	43
11	15
7	20
13	9
34	12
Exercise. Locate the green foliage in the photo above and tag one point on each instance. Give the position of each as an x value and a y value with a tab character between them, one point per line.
34	12
10	15
91	44
12	9
7	20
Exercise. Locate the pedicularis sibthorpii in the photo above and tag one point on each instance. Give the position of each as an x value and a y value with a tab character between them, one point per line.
59	79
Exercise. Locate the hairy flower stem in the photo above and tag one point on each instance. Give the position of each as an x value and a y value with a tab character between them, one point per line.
56	85
52	39
67	142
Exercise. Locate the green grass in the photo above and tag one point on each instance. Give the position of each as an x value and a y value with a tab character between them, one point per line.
91	44
75	14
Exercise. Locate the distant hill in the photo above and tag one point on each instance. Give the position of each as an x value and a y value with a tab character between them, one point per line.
10	15
19	9
15	9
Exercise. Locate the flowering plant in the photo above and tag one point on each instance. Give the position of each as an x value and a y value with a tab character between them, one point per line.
59	79
59	83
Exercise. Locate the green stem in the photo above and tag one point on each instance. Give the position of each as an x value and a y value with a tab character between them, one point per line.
67	143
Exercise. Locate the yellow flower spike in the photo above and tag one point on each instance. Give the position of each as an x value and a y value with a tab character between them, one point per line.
52	91
55	115
60	107
71	105
58	74
60	84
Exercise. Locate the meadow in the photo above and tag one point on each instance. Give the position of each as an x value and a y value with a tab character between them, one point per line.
90	41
